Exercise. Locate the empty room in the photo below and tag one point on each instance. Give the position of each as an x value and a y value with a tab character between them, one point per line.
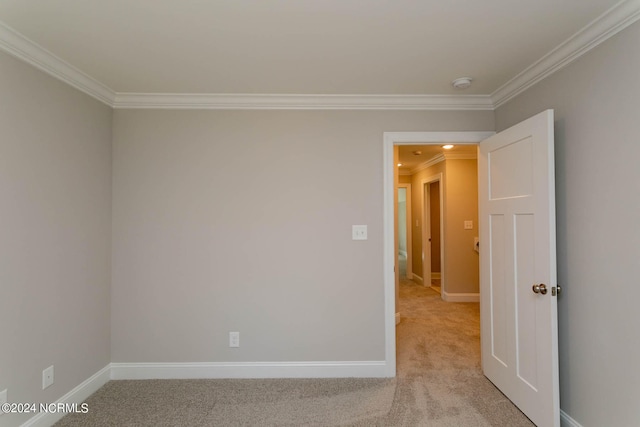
199	212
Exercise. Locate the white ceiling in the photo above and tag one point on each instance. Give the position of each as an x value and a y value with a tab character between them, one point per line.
357	47
431	153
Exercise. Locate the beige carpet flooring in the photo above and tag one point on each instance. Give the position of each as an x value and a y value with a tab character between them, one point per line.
439	383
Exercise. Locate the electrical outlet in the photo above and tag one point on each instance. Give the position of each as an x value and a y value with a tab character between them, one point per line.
234	339
47	377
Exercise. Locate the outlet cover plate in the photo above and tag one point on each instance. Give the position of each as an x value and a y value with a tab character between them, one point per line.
234	339
47	377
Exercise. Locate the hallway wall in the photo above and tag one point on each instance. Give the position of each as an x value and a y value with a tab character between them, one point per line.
460	196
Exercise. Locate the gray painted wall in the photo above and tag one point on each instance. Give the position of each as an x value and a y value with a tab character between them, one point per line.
55	234
212	232
597	120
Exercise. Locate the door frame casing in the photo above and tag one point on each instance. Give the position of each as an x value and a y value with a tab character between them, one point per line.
389	140
426	225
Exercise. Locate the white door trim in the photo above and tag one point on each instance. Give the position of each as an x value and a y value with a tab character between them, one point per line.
426	228
389	139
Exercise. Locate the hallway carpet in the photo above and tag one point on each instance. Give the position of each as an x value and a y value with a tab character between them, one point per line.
439	384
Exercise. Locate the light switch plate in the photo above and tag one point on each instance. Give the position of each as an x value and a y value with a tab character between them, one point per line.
359	232
468	225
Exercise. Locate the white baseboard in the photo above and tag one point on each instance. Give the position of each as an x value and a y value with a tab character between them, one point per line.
397	318
146	371
436	275
417	279
460	297
567	421
122	371
140	371
77	395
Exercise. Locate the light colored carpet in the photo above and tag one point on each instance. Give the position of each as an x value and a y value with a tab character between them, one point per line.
439	384
438	360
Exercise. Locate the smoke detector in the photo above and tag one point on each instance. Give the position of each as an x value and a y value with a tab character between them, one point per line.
462	82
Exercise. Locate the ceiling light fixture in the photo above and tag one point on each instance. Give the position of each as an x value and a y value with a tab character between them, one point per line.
417	152
399	164
462	82
447	147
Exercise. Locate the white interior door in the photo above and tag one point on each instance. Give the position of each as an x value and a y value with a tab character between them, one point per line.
517	257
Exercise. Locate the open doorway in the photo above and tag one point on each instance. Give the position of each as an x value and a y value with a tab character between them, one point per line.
509	157
445	222
392	142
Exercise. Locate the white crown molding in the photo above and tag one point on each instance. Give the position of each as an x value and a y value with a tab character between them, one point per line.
437	159
605	26
431	162
32	53
301	102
